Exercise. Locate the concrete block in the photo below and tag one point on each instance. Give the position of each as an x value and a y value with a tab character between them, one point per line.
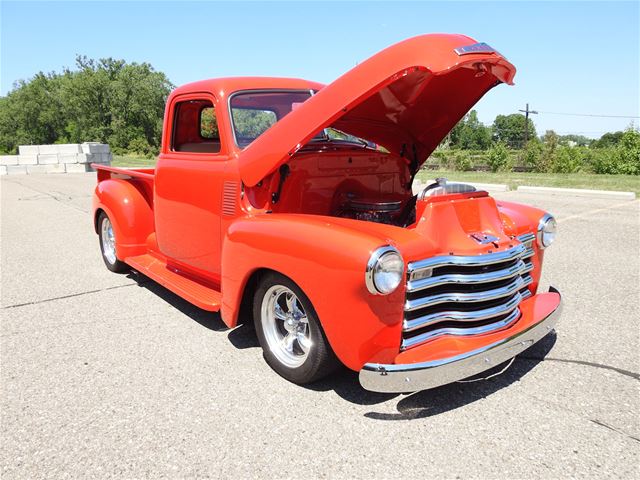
69	148
28	150
48	159
53	168
84	158
3	169
27	159
8	159
16	169
77	167
68	157
103	158
578	192
48	149
94	147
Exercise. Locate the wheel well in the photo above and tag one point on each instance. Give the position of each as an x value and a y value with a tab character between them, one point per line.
245	313
96	217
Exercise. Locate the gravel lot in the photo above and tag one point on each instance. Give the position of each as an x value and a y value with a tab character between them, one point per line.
111	375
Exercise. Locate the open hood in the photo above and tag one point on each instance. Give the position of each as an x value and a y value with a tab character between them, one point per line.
406	98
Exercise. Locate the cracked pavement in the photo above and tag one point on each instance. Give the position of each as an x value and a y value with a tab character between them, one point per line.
112	375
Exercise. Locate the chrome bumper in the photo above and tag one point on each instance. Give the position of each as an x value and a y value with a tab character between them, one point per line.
411	377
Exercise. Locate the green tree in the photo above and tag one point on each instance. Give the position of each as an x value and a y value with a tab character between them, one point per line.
103	100
509	129
610	139
470	133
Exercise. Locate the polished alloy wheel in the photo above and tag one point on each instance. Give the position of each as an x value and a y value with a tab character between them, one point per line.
286	326
108	241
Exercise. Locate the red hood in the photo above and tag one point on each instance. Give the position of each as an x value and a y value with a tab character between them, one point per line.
405	98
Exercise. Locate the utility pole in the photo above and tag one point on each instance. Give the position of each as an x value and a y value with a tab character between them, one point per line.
526	112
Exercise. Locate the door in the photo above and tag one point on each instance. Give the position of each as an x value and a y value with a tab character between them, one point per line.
188	187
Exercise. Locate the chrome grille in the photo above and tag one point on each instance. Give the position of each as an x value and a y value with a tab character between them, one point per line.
466	295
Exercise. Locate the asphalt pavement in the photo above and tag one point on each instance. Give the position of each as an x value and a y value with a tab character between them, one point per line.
112	375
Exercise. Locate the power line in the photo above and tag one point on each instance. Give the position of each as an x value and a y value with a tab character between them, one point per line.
588	115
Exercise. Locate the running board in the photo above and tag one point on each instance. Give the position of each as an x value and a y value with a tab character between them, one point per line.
191	290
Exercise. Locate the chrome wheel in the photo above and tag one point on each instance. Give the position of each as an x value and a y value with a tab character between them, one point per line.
285	326
108	241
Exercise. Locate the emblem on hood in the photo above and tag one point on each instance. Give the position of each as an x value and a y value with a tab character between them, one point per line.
484	238
475	48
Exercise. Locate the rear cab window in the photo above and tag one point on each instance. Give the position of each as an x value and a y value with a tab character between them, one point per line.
195	127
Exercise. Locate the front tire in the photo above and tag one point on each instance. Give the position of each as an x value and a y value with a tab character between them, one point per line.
289	332
108	245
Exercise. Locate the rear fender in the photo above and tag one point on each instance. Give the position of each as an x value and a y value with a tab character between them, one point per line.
130	212
327	261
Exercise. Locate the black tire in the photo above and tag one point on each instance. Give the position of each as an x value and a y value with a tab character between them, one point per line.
113	264
320	360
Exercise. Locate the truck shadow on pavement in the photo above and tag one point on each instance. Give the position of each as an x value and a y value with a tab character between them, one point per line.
345	382
428	403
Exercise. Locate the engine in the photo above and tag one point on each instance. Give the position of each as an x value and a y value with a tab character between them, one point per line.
371	210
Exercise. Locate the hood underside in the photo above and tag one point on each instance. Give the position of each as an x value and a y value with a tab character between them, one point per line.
405	98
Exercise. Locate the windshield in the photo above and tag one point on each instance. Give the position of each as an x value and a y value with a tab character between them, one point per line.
252	113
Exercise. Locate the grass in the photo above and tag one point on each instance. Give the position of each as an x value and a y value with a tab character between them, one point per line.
627	183
132	161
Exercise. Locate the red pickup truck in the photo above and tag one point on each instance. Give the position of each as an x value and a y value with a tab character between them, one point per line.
289	204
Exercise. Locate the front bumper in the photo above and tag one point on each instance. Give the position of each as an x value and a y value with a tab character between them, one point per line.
411	377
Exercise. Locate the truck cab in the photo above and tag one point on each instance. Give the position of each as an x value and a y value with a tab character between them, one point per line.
289	204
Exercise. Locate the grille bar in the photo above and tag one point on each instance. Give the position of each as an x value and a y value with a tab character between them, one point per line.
467	261
466	295
519	268
462	316
518	283
424	337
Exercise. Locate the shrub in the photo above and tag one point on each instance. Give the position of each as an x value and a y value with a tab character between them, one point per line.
531	156
462	161
627	153
568	160
624	158
140	146
498	158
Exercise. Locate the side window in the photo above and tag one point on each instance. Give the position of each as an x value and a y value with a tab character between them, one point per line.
195	127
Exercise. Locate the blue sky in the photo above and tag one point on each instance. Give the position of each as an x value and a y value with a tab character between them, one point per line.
573	57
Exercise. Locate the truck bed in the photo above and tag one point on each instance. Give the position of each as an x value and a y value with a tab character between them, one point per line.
105	171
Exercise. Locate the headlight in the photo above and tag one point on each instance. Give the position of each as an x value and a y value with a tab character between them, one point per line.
546	230
384	271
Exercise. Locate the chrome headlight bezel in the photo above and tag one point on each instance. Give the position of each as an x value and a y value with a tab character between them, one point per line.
547	229
378	258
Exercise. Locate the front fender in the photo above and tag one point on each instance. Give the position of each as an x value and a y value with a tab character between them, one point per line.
327	261
130	211
519	219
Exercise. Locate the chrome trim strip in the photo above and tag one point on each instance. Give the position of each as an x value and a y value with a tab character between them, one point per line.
419	339
526	238
460	316
519	268
528	253
401	378
467	261
517	284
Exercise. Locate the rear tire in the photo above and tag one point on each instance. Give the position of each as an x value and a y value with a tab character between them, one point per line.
292	340
108	245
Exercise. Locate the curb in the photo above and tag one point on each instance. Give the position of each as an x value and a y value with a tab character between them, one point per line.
578	192
489	187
